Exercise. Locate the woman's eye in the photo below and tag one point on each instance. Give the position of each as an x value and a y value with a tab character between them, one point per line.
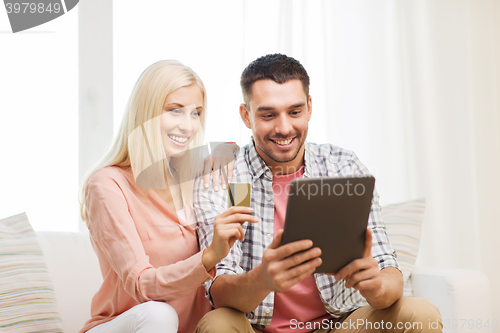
195	113
176	111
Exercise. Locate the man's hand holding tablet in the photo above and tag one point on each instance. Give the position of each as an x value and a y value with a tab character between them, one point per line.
363	274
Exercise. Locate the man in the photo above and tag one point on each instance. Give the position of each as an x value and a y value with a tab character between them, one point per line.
264	287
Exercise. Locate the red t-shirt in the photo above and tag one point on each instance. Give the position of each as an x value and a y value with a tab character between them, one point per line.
302	302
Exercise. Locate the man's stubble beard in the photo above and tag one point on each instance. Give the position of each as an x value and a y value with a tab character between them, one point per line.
274	158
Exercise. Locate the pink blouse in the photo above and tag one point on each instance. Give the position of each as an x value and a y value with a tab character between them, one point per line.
145	251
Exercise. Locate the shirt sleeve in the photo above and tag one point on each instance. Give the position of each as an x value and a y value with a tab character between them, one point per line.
382	249
114	231
207	205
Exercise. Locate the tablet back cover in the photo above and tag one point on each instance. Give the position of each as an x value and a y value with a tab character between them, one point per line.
333	213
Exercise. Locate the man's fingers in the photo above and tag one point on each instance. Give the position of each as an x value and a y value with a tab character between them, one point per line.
346	271
358	264
300	258
290	249
355	266
359	276
368	285
276	240
297	279
367	252
299	273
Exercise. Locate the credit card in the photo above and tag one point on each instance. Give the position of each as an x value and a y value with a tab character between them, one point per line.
239	194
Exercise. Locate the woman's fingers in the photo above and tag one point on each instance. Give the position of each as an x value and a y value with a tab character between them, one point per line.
216	177
235	210
220	160
228	228
227	231
224	237
216	164
237	218
223	176
230	166
207	171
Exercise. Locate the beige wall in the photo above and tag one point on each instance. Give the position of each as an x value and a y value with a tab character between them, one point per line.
486	104
95	82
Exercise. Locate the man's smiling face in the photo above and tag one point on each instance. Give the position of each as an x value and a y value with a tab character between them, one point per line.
278	115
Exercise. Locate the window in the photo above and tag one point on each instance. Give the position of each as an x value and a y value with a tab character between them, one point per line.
205	36
39	123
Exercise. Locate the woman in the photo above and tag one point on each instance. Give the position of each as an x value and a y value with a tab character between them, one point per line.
138	207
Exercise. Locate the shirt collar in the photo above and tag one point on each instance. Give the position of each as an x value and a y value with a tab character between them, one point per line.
257	165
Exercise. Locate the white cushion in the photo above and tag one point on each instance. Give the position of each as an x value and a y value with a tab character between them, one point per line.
75	273
27	300
404	223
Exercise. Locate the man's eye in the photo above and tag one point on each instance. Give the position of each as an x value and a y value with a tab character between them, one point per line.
295	113
267	116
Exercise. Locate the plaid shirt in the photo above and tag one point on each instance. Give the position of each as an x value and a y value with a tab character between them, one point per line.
320	161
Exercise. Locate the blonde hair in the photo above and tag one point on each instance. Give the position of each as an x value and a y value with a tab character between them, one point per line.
144	106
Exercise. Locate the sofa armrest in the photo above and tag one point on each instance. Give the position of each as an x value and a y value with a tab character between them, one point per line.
461	295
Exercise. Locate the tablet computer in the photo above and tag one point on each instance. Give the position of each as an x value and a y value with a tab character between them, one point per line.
333	213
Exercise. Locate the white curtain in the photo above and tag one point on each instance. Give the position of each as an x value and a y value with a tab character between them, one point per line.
413	87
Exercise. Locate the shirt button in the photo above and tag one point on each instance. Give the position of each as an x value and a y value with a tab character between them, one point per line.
269	236
268	198
267	310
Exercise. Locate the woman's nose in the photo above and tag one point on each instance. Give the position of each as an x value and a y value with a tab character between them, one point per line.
186	123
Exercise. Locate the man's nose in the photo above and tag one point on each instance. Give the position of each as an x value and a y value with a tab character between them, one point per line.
283	125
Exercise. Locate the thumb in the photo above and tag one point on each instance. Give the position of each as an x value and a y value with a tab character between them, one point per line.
276	240
368	244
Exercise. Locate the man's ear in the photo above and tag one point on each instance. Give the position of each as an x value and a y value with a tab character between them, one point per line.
309	108
245	115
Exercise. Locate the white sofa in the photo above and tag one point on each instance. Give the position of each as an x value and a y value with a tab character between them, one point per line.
75	274
459	294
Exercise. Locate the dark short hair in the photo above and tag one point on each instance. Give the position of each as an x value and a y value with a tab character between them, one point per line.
277	67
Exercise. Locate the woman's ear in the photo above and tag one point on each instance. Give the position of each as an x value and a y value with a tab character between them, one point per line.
245	115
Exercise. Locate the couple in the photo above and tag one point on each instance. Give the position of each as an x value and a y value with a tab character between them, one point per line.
148	251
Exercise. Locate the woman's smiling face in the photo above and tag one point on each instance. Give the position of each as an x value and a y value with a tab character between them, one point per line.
180	119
